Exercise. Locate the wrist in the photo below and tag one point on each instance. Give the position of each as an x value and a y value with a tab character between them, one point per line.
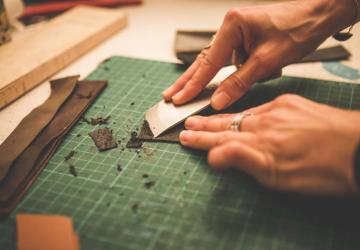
331	16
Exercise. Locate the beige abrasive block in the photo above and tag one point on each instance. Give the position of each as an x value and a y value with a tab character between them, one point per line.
37	232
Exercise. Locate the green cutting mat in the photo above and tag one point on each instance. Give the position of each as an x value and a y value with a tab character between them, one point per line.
189	206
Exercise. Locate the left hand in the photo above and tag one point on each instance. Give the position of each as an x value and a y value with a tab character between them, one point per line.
289	144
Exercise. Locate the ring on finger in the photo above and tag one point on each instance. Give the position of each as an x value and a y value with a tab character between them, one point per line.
237	121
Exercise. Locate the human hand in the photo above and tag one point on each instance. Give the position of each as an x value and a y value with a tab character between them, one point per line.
267	38
289	144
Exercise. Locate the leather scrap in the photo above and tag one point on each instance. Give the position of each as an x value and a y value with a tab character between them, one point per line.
145	134
32	124
31	162
134	141
172	135
103	139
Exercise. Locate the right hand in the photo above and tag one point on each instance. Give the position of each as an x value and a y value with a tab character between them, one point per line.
290	144
268	38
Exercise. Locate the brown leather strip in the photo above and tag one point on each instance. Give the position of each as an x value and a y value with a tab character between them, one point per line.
18	194
33	123
328	54
30	163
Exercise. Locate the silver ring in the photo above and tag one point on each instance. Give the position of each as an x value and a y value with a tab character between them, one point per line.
237	120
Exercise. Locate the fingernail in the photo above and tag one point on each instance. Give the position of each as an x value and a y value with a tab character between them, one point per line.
186	135
191	122
220	100
165	96
176	97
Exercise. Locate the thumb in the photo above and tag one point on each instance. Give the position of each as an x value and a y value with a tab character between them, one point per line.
238	83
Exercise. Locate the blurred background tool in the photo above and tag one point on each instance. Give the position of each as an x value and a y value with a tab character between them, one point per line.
4	25
14	8
36	9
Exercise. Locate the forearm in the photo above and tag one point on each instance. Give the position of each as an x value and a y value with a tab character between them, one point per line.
320	19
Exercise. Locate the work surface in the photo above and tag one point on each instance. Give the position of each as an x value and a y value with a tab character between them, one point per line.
165	196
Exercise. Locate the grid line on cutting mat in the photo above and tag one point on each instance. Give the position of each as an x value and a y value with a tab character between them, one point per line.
189	206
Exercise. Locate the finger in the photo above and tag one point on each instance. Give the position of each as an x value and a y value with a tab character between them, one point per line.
206	140
239	56
211	62
235	86
205	72
212	123
222	122
180	83
238	154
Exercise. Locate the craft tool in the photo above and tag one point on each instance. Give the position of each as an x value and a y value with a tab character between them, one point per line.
165	115
4	25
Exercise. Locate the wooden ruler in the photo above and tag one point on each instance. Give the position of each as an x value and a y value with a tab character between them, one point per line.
32	57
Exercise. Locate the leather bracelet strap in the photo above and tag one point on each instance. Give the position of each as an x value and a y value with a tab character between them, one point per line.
357	166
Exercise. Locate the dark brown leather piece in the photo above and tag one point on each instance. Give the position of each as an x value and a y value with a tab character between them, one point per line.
328	54
134	141
188	45
172	135
103	139
30	163
192	41
33	123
